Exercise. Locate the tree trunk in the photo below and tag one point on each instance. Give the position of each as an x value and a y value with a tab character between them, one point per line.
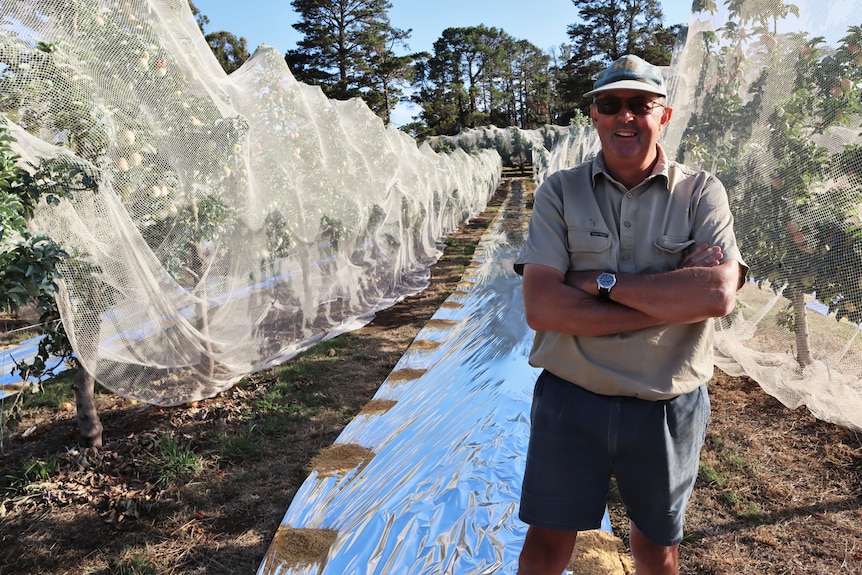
206	367
803	345
89	425
89	328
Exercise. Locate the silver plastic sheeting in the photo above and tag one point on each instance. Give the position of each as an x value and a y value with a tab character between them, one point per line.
441	493
10	380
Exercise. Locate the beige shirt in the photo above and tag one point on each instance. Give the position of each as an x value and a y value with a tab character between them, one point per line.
584	220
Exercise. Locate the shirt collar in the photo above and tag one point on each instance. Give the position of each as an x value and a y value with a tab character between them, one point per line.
661	168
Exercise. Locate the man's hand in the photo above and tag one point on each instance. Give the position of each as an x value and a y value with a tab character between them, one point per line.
703	255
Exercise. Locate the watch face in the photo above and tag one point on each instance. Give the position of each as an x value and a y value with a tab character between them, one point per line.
606	280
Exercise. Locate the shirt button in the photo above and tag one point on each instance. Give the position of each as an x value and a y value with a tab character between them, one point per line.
626	257
629	195
628	224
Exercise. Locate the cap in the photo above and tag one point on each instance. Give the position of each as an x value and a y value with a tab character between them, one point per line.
630	72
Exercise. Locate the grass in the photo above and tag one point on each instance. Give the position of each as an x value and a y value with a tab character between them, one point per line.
41	469
33	471
55	392
733	460
725	469
135	565
462	254
241	446
295	392
174	462
709	475
752	514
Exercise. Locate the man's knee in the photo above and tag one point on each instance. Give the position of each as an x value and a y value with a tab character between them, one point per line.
546	551
651	558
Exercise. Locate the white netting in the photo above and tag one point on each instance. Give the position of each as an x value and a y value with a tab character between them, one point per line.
218	223
579	144
767	96
236	219
515	146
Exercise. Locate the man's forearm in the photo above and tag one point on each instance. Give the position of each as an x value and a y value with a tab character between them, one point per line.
685	295
553	306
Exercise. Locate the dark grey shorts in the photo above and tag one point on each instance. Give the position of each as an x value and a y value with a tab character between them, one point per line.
578	439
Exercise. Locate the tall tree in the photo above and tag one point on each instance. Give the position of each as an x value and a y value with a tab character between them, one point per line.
438	94
562	108
348	50
230	51
480	75
609	29
387	74
531	86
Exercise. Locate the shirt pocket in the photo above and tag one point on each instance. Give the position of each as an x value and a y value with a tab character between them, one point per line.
669	252
589	249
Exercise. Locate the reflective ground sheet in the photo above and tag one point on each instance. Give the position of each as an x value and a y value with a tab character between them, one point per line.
431	477
11	383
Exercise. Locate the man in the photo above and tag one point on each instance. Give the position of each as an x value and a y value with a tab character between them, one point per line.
628	259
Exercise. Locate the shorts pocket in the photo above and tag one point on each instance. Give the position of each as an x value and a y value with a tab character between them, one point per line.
688	415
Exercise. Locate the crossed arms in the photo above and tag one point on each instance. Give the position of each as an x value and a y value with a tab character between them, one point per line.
704	286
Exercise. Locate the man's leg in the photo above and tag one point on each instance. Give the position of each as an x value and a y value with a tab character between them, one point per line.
567	472
652	559
546	551
657	472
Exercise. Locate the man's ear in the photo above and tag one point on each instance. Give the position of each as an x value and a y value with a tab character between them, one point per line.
666	115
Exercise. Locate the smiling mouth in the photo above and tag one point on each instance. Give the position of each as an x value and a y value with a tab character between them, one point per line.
625	134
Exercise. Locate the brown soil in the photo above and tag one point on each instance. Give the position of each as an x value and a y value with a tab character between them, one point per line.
779	492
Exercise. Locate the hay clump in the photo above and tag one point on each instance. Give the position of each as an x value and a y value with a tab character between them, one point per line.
600	553
341	458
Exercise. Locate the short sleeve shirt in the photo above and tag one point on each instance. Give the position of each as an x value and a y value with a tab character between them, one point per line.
585	220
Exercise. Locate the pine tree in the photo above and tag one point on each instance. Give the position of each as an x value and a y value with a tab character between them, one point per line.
479	76
348	50
609	29
385	74
230	51
531	86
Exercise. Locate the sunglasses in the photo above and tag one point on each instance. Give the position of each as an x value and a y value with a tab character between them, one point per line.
639	106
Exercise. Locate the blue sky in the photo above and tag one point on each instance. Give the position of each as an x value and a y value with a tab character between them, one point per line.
542	22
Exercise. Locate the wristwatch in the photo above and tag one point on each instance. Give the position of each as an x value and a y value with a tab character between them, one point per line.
606	282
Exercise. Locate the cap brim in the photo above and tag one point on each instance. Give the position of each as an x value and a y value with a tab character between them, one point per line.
628	85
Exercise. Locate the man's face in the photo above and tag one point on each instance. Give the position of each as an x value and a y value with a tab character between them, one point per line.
629	137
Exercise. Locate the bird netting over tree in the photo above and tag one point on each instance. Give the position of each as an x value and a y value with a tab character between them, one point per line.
514	145
221	223
217	224
766	95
